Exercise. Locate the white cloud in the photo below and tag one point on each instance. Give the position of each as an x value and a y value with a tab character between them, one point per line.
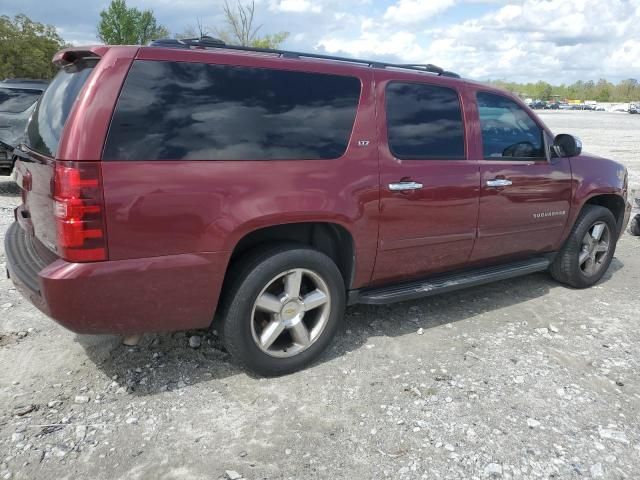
553	40
414	11
296	6
399	44
625	56
550	39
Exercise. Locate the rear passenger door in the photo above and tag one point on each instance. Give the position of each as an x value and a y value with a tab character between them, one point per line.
524	201
429	188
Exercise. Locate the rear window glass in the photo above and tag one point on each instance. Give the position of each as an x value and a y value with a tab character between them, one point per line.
17	100
45	126
196	111
424	122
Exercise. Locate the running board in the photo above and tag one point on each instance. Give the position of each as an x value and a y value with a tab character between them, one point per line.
446	282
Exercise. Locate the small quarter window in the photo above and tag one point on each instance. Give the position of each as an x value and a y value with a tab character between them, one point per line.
508	132
424	122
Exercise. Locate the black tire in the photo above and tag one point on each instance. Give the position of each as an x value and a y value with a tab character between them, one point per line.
634	227
247	279
565	267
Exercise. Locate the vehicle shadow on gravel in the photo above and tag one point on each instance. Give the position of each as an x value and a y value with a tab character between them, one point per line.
166	362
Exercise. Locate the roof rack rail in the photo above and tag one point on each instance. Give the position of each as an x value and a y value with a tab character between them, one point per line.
210	42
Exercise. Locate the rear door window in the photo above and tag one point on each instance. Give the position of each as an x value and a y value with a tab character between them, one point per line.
508	132
17	100
47	121
424	122
196	111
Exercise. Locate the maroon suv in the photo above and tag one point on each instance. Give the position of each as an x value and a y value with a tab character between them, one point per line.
166	184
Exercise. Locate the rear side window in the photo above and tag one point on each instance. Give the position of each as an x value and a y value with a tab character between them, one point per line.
508	132
196	111
424	122
17	100
47	121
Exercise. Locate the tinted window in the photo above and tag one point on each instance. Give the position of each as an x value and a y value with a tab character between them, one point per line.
507	130
48	119
195	111
424	121
16	100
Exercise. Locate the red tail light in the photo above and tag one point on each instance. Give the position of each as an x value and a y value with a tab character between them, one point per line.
79	212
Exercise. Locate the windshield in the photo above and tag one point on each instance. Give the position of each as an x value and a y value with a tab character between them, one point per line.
16	100
47	121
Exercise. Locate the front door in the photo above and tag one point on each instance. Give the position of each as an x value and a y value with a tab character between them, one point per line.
429	188
525	195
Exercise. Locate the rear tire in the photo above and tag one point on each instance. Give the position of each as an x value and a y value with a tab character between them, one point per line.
283	306
587	253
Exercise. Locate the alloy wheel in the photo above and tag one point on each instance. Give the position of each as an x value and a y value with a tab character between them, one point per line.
595	247
290	313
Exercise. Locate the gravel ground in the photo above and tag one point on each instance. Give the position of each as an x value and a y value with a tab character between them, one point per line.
519	379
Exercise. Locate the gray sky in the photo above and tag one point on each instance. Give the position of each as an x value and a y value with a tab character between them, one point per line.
553	40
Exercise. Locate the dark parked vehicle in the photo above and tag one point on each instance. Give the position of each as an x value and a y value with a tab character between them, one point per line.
552	106
634	227
634	109
17	100
164	184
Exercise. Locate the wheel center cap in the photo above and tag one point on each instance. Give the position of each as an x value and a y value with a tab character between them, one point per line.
290	311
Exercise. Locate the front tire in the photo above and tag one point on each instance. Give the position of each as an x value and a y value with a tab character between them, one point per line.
284	305
587	253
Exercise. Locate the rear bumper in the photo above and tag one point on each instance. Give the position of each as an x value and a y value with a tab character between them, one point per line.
174	292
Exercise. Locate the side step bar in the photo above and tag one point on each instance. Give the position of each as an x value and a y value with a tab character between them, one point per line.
446	282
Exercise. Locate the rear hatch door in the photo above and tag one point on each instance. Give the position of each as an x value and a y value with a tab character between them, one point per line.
35	166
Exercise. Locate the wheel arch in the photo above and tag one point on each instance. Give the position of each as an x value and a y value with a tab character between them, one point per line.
612	202
330	238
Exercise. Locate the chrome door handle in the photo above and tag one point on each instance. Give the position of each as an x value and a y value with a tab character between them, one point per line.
499	182
398	187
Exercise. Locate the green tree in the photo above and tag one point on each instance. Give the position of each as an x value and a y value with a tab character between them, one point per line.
603	91
194	31
627	90
239	27
542	90
575	90
589	90
121	25
27	47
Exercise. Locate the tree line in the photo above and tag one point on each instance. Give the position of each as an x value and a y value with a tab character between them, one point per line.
600	91
26	46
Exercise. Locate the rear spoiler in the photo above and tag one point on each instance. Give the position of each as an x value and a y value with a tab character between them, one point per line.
69	56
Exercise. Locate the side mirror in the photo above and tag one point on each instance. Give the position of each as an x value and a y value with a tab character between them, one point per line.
565	145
